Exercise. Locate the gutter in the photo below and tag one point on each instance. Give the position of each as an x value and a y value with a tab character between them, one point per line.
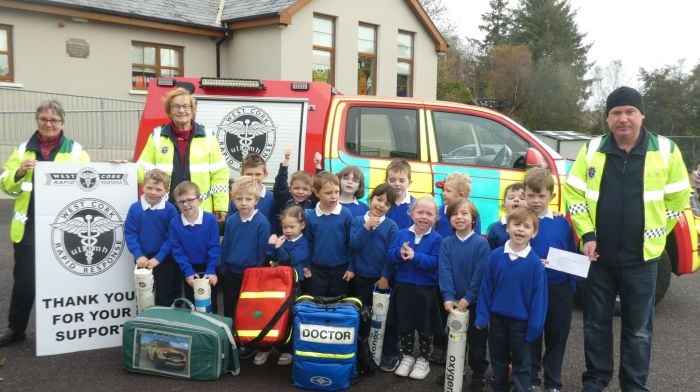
218	49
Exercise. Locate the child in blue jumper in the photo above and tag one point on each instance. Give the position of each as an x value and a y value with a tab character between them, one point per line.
328	229
194	237
513	302
398	175
513	197
245	240
413	262
299	191
554	232
352	188
455	185
254	166
146	234
462	259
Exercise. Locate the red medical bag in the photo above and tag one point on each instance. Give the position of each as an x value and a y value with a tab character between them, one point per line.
264	312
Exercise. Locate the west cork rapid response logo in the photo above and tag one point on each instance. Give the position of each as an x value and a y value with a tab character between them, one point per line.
246	130
87	237
86	179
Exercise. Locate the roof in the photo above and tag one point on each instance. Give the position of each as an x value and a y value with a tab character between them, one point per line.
239	10
196	16
196	13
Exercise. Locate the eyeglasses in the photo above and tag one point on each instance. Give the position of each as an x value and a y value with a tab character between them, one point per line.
177	107
351	179
182	203
51	121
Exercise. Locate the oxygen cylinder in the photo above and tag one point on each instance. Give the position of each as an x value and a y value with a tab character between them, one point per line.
143	283
202	294
380	309
457	323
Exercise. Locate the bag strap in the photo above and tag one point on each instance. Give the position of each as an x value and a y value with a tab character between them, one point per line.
283	308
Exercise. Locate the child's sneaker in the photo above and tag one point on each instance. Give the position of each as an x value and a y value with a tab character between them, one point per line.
389	363
285	359
261	357
405	366
420	369
246	352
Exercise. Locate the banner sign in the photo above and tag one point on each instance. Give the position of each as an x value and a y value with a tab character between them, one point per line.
84	272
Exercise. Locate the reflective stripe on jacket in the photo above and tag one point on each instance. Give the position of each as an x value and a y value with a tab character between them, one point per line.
207	167
666	190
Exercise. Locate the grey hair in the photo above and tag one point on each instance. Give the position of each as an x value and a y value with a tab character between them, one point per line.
53	105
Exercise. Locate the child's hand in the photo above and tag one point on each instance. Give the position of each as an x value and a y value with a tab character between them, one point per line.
307	273
382	283
287	156
280	241
372	223
213	279
221	216
406	252
142	261
544	261
348	275
448	305
190	280
152	263
318	158
273	239
462	305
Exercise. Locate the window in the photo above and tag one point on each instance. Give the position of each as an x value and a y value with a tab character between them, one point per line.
152	61
6	71
404	65
367	60
476	141
324	49
382	132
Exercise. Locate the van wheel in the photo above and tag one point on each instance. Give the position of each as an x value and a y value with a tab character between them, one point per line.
663	282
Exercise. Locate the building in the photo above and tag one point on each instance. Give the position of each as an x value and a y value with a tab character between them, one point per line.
110	49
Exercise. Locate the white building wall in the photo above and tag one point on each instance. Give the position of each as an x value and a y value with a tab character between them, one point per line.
41	62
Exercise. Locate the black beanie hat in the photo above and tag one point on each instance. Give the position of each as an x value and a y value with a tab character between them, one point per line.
624	96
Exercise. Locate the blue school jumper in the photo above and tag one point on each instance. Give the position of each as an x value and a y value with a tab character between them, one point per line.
294	252
329	239
371	246
146	229
422	270
356	208
245	242
461	267
195	244
497	234
399	212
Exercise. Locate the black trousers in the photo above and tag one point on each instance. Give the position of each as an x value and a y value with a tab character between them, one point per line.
560	302
477	341
507	341
328	281
168	280
23	290
231	284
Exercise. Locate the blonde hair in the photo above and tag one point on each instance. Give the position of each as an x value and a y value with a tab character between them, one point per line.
324	178
246	185
522	215
158	176
295	212
168	100
399	165
302	176
424	198
461	181
186	187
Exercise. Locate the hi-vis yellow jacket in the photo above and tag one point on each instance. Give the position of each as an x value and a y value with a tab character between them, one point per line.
21	190
207	166
666	190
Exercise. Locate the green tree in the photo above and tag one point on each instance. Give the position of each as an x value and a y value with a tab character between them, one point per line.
511	66
497	25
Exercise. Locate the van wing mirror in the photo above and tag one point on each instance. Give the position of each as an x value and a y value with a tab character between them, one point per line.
534	158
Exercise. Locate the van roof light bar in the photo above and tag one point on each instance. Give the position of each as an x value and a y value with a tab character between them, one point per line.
252	84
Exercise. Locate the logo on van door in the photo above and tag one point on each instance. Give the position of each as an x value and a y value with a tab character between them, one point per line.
246	130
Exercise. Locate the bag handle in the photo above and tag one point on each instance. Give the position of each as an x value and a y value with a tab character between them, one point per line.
186	301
